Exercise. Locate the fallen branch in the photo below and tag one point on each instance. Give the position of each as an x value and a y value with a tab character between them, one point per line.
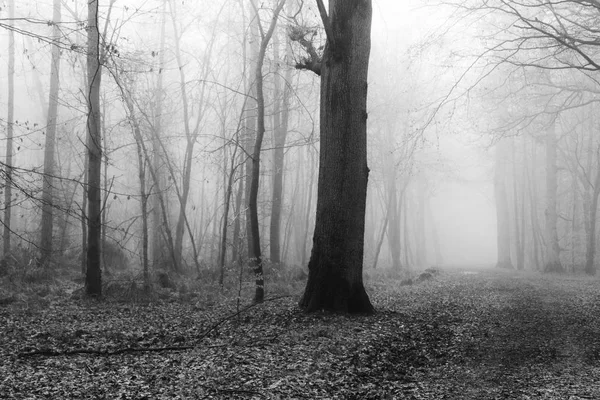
52	353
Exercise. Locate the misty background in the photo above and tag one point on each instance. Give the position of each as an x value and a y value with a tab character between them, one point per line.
440	103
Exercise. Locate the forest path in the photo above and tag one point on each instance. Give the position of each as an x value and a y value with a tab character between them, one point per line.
464	334
530	336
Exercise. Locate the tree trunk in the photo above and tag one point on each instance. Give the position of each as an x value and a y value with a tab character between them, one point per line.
142	157
552	245
93	279
10	120
191	137
502	212
421	242
49	149
236	242
407	246
590	253
439	257
384	228
256	261
83	216
280	125
533	213
158	224
311	182
336	265
519	244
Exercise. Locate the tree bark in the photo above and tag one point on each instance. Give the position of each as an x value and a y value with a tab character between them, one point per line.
335	280
46	245
93	278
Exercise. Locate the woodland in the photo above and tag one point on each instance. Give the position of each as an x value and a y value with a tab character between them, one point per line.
299	199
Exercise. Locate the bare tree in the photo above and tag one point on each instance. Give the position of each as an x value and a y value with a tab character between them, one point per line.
93	278
502	210
280	125
336	264
46	244
260	132
10	120
553	263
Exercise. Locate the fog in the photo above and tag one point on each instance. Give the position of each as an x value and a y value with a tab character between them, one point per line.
457	121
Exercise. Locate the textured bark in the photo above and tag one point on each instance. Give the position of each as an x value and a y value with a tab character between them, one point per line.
50	145
336	264
553	263
310	189
502	212
93	278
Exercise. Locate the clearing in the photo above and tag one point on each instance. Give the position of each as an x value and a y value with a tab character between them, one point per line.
465	334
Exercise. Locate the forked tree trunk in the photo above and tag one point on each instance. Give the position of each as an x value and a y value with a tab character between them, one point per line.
335	279
49	148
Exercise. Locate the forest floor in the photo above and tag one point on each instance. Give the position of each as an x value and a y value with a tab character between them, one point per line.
464	334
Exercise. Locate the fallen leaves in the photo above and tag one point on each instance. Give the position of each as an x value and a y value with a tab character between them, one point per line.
458	336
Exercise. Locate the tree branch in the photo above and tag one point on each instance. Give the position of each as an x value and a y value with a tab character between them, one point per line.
326	23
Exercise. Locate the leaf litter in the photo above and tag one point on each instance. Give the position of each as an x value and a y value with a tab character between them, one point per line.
490	335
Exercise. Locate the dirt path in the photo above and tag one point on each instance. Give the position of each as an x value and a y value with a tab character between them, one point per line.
531	336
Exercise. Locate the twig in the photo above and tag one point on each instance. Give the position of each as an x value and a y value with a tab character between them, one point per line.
52	353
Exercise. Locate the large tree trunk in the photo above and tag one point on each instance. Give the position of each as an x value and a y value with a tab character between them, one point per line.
49	149
9	136
336	265
502	212
552	245
93	278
